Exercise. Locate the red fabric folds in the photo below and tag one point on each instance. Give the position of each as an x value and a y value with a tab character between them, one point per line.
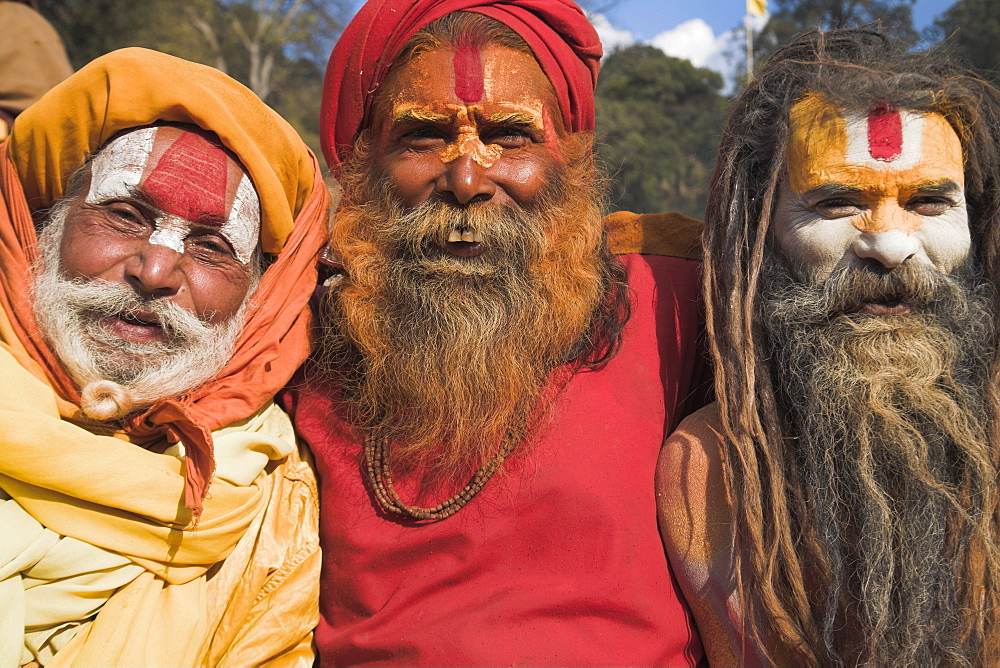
564	43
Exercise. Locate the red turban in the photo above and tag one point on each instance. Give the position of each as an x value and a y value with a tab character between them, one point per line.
564	43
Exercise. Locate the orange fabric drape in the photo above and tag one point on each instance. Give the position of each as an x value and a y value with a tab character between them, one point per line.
135	87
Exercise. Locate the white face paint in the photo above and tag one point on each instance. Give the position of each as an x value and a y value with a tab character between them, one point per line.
243	227
821	239
121	171
888	187
118	168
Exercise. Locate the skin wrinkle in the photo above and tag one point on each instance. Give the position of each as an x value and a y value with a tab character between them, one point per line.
470	119
411	149
120	170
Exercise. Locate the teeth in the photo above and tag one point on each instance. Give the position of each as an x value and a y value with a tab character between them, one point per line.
464	235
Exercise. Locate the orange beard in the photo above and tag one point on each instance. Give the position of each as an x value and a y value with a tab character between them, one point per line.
442	357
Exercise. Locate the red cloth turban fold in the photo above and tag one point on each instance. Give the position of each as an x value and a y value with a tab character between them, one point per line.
564	43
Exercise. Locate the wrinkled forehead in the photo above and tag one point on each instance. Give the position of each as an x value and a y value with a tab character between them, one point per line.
185	173
488	77
828	145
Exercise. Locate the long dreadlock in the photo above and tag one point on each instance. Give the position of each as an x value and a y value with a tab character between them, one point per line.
782	559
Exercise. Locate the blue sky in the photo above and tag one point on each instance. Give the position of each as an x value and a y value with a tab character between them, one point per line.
647	18
706	32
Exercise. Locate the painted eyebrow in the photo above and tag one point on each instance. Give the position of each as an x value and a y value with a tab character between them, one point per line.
942	187
420	116
515	118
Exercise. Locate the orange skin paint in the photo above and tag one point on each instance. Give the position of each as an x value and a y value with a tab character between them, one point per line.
888	187
475	124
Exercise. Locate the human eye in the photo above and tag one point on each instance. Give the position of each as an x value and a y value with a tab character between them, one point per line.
423	138
508	136
209	247
930	205
125	216
838	207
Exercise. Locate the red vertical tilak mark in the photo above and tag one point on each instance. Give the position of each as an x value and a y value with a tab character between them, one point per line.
468	66
190	179
885	133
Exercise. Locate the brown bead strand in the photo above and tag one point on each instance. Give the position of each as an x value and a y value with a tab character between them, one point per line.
381	481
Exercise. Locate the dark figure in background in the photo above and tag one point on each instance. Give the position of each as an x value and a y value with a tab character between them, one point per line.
32	60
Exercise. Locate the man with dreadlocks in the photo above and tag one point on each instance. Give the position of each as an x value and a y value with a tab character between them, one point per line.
485	423
838	505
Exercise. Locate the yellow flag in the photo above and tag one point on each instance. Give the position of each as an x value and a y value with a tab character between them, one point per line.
757	7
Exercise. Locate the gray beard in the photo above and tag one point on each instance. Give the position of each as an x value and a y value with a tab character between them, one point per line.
887	426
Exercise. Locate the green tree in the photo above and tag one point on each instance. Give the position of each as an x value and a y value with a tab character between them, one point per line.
658	121
791	17
973	29
278	48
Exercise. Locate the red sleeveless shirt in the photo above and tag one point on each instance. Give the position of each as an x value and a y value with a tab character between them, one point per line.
557	560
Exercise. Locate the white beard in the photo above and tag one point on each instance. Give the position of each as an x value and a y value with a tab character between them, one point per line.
117	376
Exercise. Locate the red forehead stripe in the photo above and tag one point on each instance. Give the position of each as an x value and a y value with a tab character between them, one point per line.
190	180
885	133
468	66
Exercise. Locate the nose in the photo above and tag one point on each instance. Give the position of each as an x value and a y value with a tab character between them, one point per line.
890	249
154	271
467	180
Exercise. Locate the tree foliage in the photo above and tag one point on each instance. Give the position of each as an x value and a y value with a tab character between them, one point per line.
791	17
277	48
658	121
973	29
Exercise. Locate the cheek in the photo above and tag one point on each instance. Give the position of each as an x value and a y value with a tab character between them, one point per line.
946	239
217	294
814	243
524	178
413	178
87	251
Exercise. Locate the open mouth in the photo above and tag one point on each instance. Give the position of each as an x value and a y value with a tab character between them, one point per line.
886	308
135	326
465	243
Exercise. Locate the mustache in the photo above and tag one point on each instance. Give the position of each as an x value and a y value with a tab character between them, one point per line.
510	233
95	298
849	289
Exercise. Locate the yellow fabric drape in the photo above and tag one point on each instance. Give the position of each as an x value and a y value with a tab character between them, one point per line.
138	514
136	511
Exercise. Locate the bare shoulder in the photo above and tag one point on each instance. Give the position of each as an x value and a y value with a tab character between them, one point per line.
699	538
690	491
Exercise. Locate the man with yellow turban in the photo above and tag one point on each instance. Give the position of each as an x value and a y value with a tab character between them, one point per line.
158	238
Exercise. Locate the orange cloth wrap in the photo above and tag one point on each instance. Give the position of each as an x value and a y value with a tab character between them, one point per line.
135	87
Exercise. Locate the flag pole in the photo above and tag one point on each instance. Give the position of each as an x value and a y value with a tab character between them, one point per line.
749	31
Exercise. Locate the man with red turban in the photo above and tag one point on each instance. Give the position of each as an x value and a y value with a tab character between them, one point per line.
159	229
493	384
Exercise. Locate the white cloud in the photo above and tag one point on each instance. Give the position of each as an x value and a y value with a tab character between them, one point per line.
611	37
693	40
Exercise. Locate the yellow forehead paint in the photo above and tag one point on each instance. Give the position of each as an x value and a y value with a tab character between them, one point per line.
877	152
